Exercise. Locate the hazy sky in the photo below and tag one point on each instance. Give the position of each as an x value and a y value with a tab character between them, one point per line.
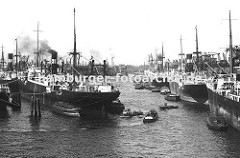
126	29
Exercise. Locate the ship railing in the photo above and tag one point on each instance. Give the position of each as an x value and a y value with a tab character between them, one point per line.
224	92
4	88
236	87
87	87
37	80
192	80
234	96
8	75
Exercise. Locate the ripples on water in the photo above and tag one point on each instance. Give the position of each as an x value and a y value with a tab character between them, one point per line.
177	133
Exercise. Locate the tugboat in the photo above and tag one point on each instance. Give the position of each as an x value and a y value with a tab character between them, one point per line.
172	97
128	113
166	107
217	123
151	116
165	90
156	90
139	86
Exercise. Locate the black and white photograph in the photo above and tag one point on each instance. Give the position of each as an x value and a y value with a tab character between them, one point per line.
119	79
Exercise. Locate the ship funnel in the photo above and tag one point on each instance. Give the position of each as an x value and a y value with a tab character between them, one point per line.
189	64
104	68
10	62
54	62
238	77
54	57
92	66
10	56
189	58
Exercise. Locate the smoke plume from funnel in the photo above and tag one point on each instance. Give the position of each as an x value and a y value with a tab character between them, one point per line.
44	47
51	51
28	46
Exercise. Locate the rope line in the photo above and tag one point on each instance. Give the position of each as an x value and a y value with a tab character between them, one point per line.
9	102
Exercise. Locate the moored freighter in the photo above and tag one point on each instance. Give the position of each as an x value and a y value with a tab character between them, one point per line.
93	98
224	98
191	89
190	82
224	89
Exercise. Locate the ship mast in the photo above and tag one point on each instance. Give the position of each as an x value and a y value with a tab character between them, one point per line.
181	54
197	53
196	39
74	49
162	58
75	53
38	53
2	58
230	42
16	66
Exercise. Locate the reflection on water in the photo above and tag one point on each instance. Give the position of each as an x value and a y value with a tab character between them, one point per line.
34	122
4	115
177	133
4	118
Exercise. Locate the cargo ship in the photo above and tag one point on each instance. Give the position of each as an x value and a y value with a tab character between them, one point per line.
224	97
191	88
189	82
223	89
95	99
157	73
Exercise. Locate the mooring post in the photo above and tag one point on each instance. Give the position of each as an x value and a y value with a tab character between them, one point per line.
32	105
19	99
43	99
35	106
39	107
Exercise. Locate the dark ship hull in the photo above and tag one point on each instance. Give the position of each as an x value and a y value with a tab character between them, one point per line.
194	93
160	82
228	108
12	84
4	99
9	94
92	104
80	99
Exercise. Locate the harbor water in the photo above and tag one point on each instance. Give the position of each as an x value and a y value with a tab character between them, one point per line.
178	132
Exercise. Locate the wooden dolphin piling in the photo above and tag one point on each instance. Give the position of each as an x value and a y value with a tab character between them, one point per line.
35	107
